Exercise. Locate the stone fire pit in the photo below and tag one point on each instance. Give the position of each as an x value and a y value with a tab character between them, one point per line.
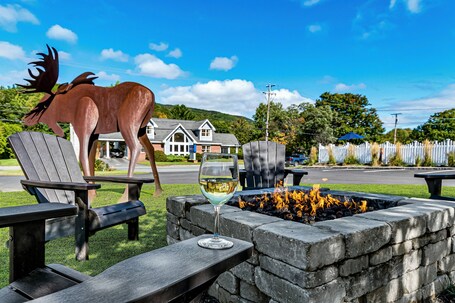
400	254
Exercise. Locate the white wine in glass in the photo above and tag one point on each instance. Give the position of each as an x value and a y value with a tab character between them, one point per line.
218	178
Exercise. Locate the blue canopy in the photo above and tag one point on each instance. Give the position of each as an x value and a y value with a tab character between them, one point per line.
350	136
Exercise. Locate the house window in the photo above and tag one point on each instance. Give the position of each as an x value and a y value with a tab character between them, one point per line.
205	148
205	132
179	144
149	130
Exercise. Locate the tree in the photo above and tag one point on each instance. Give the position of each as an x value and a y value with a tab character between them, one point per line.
243	130
403	135
181	112
353	114
316	127
277	122
439	127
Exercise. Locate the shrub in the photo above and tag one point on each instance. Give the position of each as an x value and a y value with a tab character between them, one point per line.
313	156
198	157
101	166
332	160
174	158
396	159
418	161
375	154
451	159
427	153
160	156
350	157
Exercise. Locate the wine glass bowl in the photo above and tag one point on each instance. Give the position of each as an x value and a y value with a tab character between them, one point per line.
218	178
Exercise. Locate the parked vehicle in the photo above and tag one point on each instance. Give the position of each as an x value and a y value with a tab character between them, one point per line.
296	159
117	153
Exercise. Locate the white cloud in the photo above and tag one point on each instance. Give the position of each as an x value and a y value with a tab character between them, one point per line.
114	55
11	51
60	33
149	65
310	2
159	47
314	28
223	63
341	87
414	6
12	77
102	75
64	55
176	53
11	14
237	96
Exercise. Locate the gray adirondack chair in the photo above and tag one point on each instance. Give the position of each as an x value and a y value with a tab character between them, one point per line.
53	176
264	165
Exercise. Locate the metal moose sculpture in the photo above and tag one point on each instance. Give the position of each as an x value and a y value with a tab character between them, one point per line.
92	110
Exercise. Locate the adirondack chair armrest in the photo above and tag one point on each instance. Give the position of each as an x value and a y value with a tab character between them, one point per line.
26	213
60	185
297	175
119	179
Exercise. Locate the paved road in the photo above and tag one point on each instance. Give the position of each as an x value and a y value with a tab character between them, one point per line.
188	175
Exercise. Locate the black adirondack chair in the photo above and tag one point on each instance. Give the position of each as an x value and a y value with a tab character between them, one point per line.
175	273
264	166
53	176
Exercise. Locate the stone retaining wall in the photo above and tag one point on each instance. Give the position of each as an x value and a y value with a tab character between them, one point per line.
402	254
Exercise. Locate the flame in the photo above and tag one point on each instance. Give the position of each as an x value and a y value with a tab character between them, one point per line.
297	204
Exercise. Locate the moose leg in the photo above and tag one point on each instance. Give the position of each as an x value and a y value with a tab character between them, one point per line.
151	155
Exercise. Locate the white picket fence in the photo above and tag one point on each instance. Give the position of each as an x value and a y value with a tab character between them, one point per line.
409	152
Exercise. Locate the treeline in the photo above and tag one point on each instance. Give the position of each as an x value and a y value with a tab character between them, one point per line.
299	126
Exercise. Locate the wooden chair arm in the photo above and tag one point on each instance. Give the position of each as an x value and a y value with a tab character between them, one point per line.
119	179
242	177
60	185
297	175
26	213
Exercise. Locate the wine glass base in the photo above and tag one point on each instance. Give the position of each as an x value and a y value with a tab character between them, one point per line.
215	243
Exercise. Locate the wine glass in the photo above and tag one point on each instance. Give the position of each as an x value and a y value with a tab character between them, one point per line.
218	178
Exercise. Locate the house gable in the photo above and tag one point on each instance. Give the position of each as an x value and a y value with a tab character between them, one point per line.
205	131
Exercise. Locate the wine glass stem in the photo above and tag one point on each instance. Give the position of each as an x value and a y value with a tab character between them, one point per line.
216	230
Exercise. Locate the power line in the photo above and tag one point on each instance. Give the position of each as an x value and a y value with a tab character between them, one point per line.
395	131
269	96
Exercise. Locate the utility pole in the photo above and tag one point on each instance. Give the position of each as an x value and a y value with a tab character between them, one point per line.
269	97
395	131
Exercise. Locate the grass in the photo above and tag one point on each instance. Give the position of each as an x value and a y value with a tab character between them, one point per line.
8	162
110	246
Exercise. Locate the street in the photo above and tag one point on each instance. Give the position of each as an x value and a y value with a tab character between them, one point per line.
178	174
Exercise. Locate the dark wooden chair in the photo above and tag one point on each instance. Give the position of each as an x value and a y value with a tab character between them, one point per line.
53	176
175	273
264	166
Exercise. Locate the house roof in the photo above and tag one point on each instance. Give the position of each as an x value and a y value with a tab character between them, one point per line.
164	127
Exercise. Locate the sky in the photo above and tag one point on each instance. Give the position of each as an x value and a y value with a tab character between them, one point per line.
221	55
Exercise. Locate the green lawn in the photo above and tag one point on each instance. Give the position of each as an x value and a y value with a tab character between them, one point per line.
110	246
8	162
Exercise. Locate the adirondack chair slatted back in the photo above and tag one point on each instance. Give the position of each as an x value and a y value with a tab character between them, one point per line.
46	157
264	163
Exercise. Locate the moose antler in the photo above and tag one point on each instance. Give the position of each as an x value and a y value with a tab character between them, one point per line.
47	73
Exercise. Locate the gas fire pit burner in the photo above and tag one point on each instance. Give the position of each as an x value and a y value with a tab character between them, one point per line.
307	205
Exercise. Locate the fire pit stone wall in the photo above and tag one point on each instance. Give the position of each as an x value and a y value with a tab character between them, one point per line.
400	254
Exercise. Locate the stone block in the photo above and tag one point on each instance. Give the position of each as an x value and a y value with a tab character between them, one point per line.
197	231
179	205
361	235
400	265
171	241
185	224
284	291
240	225
366	281
252	293
429	238
436	251
244	271
185	234
414	280
401	248
390	292
172	230
381	256
405	223
352	266
225	296
304	279
229	282
203	215
447	264
431	290
415	297
299	245
440	214
172	218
